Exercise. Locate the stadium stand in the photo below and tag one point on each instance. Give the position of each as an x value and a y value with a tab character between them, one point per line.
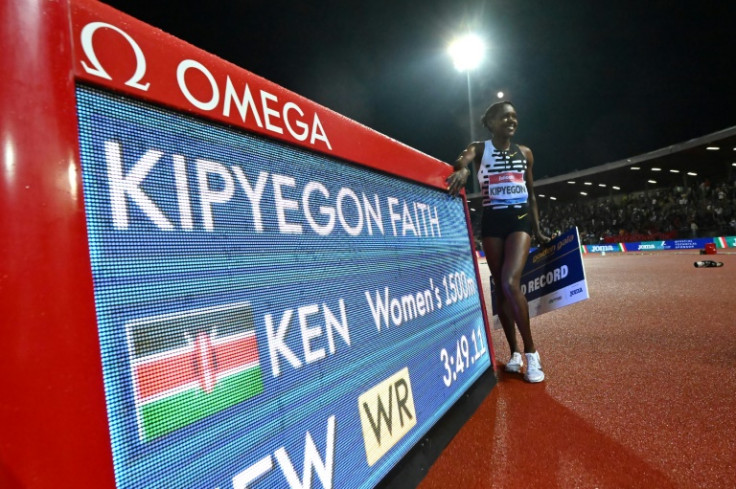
681	191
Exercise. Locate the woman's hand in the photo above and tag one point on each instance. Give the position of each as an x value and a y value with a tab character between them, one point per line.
456	181
542	238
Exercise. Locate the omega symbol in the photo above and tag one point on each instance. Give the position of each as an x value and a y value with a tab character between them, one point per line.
97	70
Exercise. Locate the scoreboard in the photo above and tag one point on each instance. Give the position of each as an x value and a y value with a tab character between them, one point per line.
281	297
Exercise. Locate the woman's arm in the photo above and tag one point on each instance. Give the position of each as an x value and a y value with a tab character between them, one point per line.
457	179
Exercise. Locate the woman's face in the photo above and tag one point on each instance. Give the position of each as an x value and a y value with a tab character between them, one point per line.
505	122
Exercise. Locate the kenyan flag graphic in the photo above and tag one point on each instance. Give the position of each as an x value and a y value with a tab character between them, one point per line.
190	365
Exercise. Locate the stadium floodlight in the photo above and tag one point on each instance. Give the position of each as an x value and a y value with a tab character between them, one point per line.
467	52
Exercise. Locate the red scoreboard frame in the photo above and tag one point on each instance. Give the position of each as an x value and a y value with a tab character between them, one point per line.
53	423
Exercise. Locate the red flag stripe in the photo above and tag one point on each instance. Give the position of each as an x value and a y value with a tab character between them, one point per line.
234	354
158	375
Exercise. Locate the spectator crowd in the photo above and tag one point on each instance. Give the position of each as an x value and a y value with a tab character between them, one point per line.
701	210
666	213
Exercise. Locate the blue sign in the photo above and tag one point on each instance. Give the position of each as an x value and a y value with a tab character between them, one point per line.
611	248
268	316
554	275
670	244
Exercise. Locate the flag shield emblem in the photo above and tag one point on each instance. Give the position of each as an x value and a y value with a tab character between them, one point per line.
190	365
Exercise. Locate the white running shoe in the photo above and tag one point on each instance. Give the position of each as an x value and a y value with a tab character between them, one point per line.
533	368
515	364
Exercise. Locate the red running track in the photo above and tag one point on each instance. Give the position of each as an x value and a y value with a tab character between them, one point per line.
640	389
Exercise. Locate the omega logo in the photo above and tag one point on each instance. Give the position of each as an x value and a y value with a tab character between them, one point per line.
97	70
264	108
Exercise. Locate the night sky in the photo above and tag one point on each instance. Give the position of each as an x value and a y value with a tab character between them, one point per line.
593	82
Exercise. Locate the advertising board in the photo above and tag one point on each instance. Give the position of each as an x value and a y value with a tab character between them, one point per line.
274	307
725	241
603	248
263	306
670	244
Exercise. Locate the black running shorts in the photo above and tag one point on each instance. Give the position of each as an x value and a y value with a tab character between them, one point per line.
499	223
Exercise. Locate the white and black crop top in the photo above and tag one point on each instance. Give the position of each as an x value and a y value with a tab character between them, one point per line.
502	177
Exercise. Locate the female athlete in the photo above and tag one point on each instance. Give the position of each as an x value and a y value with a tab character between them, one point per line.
510	216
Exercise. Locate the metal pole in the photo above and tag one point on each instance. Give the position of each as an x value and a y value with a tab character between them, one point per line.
470	109
474	186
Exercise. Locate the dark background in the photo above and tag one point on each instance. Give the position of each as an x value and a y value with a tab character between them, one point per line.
593	82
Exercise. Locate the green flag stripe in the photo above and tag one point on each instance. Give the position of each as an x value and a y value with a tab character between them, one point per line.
166	415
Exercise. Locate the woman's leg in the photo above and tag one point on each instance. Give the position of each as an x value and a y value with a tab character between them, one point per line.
494	250
515	253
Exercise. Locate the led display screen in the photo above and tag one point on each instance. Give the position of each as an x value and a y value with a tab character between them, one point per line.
268	316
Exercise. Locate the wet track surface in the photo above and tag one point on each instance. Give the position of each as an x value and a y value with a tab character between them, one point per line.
640	389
